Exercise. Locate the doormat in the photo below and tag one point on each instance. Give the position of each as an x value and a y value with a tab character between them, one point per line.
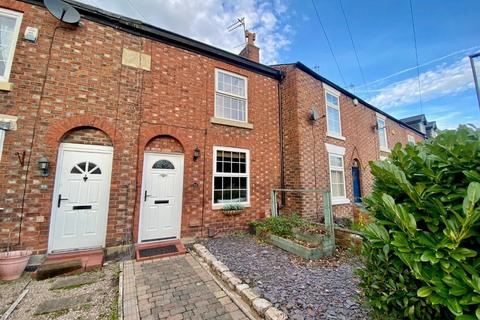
158	251
161	249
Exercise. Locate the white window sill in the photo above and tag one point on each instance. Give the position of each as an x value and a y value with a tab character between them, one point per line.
335	136
340	201
219	206
385	149
231	123
5	86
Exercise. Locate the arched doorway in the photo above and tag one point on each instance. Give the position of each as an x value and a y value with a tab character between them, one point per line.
357	190
162	190
82	190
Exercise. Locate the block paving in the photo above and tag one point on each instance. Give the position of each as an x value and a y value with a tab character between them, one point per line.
174	288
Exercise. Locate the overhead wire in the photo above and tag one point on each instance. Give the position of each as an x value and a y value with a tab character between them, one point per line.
353	43
328	42
416	57
137	11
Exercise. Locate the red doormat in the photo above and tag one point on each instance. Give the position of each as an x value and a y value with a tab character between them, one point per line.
146	251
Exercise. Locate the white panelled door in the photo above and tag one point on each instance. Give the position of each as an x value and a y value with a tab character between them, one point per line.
81	196
161	198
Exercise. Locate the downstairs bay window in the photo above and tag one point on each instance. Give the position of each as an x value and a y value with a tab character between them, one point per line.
231	176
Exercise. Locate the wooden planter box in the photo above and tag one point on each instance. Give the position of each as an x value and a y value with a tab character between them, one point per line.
324	245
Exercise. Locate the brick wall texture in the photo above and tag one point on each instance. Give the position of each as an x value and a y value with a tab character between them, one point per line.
79	92
306	157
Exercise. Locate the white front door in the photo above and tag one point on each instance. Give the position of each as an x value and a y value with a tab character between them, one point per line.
80	199
161	198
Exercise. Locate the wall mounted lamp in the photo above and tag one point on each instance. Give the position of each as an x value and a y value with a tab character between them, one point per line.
196	154
43	165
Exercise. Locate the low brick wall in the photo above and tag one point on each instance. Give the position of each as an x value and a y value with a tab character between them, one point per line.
346	238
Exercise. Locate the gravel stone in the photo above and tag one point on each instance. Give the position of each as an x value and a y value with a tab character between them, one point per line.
302	289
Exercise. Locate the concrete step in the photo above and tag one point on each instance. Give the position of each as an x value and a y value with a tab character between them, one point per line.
180	249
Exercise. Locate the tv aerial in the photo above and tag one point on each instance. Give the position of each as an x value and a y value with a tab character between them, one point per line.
62	11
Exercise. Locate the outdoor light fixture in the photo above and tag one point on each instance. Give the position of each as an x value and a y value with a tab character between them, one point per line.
196	154
314	115
43	165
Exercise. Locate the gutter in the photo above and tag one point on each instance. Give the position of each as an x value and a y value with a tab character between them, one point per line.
141	29
315	75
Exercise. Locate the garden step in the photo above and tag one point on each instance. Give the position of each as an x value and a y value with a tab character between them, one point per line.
72	282
51	270
62	304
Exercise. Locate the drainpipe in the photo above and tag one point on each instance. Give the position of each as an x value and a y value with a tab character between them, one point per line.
282	156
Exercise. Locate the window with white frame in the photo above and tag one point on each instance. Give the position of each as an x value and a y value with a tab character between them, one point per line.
9	27
230	96
411	139
334	126
231	175
382	133
337	173
2	139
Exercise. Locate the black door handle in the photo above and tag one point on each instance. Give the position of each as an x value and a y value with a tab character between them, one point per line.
60	200
146	195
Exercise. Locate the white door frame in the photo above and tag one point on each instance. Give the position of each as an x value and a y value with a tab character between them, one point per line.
145	170
58	172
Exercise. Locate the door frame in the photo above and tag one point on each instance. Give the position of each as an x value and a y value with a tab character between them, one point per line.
58	172
181	156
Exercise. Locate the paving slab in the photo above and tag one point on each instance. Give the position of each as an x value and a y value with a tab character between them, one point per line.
74	282
175	288
55	305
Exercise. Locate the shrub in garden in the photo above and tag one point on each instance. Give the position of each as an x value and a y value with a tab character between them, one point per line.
281	226
421	253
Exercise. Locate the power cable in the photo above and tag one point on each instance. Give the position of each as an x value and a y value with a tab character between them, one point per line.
353	43
329	44
137	11
416	57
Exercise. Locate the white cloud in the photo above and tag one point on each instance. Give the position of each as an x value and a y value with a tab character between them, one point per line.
207	21
445	79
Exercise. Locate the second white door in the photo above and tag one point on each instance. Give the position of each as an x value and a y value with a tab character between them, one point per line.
161	198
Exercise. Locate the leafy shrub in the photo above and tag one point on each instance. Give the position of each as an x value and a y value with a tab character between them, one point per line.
233	207
281	226
421	252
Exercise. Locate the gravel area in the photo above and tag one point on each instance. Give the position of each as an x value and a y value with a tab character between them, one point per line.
102	296
10	290
324	289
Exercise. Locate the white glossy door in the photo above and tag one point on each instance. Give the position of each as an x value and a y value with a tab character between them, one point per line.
161	198
80	198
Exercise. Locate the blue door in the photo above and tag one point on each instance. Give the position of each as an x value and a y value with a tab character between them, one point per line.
357	193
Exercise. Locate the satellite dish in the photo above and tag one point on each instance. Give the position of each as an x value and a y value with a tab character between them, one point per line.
62	11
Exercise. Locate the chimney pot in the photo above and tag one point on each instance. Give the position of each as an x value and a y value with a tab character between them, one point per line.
250	51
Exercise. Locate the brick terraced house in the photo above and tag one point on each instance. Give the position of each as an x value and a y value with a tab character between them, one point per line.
329	136
115	132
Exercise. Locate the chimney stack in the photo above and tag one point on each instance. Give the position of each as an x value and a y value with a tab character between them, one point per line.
250	51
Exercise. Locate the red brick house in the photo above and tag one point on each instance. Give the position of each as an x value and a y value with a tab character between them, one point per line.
115	132
332	148
147	134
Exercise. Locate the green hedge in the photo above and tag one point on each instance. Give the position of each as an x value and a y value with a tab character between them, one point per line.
421	253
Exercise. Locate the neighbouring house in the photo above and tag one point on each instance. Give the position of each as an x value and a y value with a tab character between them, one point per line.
115	132
329	137
419	122
146	133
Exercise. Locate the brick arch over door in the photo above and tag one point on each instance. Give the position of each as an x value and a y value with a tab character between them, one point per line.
57	132
87	135
164	144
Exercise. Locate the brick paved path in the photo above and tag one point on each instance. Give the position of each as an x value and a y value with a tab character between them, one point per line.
174	288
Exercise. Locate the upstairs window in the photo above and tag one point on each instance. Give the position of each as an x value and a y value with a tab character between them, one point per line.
411	140
230	96
382	133
334	126
9	27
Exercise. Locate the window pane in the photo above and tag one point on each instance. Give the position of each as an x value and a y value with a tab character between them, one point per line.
7	28
243	183
333	116
243	195
382	139
217	185
236	195
227	183
336	161
227	196
217	196
332	99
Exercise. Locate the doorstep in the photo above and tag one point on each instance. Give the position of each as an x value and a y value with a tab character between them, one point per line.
156	249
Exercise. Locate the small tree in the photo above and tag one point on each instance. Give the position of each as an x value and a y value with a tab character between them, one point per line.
421	253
